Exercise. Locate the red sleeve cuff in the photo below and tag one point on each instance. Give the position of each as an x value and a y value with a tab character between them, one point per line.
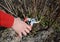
6	20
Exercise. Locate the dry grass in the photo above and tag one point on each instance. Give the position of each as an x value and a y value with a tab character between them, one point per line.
46	10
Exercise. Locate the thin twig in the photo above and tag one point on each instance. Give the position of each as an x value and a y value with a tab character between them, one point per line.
7	10
12	6
7	4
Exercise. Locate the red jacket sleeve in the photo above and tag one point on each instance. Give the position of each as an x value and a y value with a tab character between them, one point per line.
6	20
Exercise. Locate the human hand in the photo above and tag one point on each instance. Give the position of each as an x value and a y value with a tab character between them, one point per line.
21	27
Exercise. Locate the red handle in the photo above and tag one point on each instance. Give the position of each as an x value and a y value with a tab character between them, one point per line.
25	19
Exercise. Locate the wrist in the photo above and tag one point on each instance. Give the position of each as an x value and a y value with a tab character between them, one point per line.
16	20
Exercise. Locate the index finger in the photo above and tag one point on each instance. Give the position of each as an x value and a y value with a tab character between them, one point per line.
29	27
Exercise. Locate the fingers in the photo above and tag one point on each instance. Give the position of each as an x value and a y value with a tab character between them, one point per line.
27	31
24	33
29	27
20	35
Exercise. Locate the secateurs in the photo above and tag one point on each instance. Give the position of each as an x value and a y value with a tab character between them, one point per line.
31	21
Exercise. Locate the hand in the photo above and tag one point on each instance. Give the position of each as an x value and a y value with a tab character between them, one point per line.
21	27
